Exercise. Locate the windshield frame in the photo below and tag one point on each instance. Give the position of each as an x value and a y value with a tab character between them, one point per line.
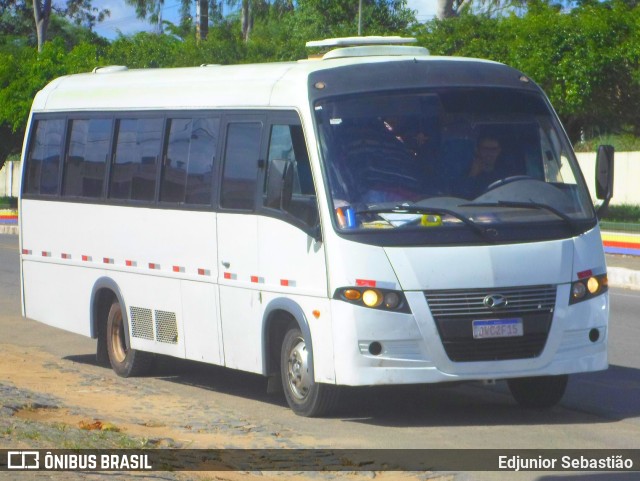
553	228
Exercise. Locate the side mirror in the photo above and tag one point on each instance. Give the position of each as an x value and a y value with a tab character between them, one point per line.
604	172
279	184
604	176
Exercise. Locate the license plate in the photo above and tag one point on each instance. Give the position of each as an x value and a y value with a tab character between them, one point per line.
491	328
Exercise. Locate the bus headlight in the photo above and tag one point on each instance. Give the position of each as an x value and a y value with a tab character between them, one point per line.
374	298
391	300
578	290
588	288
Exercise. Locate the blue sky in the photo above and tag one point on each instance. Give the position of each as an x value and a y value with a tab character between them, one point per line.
123	17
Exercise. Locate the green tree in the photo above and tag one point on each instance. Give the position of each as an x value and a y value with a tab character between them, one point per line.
455	8
23	72
17	21
317	19
587	59
145	50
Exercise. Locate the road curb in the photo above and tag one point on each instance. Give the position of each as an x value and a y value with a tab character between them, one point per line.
9	229
621	277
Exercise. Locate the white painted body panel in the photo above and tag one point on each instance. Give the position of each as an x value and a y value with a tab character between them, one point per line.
461	267
262	253
67	259
285	253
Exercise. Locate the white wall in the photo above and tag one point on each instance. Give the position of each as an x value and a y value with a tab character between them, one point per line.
626	184
10	179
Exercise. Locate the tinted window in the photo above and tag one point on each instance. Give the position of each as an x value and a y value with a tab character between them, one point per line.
87	154
43	168
286	142
133	175
241	165
188	164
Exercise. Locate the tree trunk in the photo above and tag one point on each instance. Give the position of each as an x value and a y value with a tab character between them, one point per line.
202	27
246	19
41	15
445	9
453	8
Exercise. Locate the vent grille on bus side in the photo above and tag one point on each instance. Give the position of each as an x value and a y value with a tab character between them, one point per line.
142	325
166	327
455	310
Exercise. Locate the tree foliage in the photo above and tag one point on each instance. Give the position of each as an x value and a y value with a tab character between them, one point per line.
587	60
33	22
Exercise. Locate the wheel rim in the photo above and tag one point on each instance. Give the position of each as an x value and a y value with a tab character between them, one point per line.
118	342
298	370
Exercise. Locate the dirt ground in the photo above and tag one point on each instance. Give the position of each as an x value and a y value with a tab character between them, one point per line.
48	402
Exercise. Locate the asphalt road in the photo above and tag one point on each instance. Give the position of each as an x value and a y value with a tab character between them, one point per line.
600	410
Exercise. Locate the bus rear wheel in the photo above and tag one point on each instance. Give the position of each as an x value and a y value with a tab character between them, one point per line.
126	362
305	396
541	392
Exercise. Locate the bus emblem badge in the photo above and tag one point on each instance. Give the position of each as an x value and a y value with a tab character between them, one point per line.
495	301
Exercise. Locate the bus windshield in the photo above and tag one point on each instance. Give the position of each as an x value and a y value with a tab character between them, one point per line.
466	158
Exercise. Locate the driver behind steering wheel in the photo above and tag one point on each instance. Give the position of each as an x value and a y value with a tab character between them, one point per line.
484	168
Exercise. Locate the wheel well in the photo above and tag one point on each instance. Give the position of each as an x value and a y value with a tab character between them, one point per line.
101	304
278	323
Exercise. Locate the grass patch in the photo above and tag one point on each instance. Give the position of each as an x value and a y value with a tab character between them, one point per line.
64	436
622	218
625	213
622	143
8	203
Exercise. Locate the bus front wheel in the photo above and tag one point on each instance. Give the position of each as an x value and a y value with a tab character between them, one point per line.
541	392
126	362
305	396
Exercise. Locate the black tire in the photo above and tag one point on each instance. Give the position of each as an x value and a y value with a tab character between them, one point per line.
126	362
102	353
305	396
538	392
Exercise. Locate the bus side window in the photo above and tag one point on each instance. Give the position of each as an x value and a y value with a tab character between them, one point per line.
133	174
286	142
86	157
43	164
240	172
189	161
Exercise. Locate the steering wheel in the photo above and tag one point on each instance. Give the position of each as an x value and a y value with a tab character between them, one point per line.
507	180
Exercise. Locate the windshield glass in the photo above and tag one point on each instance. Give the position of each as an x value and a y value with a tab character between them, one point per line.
463	157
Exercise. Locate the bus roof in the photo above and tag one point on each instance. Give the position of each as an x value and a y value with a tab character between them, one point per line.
268	85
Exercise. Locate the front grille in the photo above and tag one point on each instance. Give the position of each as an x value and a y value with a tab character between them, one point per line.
464	303
455	310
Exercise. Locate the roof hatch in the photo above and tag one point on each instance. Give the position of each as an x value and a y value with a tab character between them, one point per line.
366	47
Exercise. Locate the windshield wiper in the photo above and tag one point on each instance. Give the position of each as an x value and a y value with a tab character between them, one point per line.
575	227
409	209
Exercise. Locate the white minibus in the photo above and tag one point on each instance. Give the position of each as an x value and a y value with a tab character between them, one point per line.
373	216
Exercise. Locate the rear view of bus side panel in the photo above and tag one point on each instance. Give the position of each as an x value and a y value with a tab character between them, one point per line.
153	269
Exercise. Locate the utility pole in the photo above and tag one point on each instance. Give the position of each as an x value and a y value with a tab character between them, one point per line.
359	18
